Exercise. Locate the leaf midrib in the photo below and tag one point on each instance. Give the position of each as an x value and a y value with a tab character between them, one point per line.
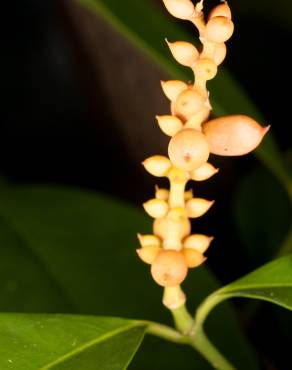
88	344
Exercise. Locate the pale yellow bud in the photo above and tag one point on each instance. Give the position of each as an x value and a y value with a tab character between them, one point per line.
182	9
161	194
219	53
204	172
157	165
199	242
219	29
205	69
197	207
170	125
161	227
184	52
149	240
177	176
188	194
193	257
233	135
169	268
188	149
148	254
188	103
156	208
221	10
196	121
173	88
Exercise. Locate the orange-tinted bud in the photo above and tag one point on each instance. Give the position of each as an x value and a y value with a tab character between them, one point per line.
148	254
219	53
188	149
204	172
157	165
233	135
219	29
182	9
170	125
173	88
199	242
197	207
184	52
205	69
169	268
193	257
221	10
188	103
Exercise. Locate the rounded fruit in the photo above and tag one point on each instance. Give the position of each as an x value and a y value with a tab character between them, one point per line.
205	68
169	268
188	103
188	149
219	29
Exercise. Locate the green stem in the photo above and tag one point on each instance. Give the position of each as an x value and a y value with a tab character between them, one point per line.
164	332
183	320
202	344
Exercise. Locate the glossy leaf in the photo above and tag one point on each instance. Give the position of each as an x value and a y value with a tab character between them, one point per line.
66	251
67	342
133	20
272	283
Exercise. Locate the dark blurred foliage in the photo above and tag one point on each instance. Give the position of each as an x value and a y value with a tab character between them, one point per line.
57	126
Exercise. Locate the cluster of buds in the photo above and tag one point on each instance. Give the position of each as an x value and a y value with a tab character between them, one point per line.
172	250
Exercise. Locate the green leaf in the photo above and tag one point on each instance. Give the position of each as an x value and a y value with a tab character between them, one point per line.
262	215
43	342
272	283
145	26
68	251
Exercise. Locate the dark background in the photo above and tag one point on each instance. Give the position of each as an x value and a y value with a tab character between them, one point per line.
78	105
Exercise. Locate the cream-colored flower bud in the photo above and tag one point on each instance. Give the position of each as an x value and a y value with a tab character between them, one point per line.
170	125
173	88
169	268
156	208
219	53
188	149
148	254
148	240
188	103
161	227
233	135
177	176
196	121
189	194
162	194
184	52
182	9
193	257
221	10
197	207
199	242
204	172
157	165
205	69
219	29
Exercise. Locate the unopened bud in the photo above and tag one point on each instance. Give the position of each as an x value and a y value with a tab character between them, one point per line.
197	207
157	165
161	227
199	242
173	88
184	52
233	135
221	10
148	254
188	149
169	268
219	29
205	69
182	9
204	172
170	125
148	240
162	194
188	103
156	208
193	257
219	53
